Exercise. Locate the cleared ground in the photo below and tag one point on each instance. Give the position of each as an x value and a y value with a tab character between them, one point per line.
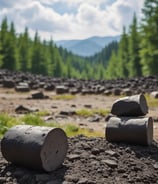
55	104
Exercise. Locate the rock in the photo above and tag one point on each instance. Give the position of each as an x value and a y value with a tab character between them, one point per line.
24	110
126	92
110	163
73	157
83	181
107	92
95	151
155	166
73	91
88	106
8	83
49	87
68	113
72	178
22	88
95	118
116	91
61	89
39	95
111	153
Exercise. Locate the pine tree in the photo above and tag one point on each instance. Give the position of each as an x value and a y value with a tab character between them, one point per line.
3	41
38	57
24	52
111	71
123	56
50	64
149	43
58	70
134	66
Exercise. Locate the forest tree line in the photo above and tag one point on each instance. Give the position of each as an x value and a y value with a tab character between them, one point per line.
135	55
18	52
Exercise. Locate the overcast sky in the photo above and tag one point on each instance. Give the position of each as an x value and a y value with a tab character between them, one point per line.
71	19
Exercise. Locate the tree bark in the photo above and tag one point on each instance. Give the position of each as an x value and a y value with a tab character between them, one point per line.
35	147
130	130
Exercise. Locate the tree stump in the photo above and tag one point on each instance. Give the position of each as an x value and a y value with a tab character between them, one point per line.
35	147
130	130
135	105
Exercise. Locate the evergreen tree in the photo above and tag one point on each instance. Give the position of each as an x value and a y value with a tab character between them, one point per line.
50	64
8	45
134	66
111	72
4	41
123	56
13	47
38	57
58	71
149	43
24	52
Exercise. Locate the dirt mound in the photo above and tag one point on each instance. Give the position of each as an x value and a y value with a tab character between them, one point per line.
92	161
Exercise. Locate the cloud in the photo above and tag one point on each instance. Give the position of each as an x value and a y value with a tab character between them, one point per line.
76	19
121	13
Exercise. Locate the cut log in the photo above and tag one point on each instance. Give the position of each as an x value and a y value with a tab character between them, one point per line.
154	94
35	147
130	130
135	105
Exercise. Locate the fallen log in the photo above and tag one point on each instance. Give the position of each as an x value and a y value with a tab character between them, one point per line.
130	130
35	147
135	105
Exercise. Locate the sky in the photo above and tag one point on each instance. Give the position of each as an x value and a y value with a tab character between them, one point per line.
71	19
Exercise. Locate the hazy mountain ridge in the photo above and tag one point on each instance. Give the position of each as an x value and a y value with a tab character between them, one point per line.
87	47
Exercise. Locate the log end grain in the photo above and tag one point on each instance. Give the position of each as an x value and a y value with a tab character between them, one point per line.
143	104
54	149
149	129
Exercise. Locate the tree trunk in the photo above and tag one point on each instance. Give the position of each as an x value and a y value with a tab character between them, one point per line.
135	105
130	130
35	147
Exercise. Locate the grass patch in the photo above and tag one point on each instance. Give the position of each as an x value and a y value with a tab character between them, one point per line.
74	130
64	97
152	102
42	113
84	112
91	112
32	119
7	122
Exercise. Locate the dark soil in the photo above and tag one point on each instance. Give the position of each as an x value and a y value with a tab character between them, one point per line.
92	161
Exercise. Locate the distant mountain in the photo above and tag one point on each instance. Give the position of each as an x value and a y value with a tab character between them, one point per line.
87	47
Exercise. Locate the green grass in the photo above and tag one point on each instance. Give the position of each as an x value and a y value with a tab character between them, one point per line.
32	119
43	113
74	130
91	112
152	102
64	97
7	122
